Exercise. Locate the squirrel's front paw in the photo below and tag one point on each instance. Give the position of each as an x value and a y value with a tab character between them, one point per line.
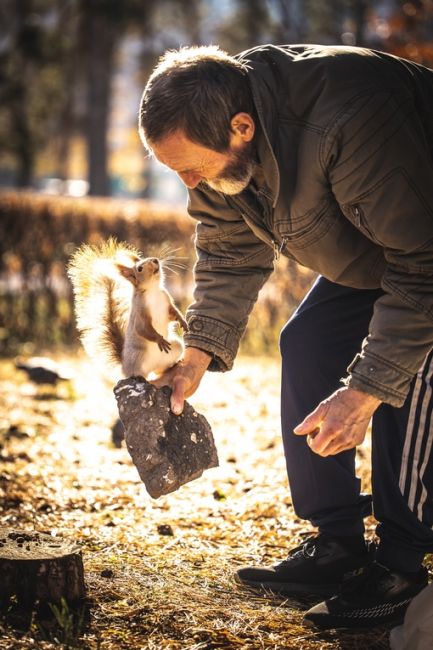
164	345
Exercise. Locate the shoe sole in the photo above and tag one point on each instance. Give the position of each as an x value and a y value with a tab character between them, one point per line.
398	619
291	588
352	621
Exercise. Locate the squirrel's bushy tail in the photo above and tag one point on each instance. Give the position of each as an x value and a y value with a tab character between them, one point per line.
102	297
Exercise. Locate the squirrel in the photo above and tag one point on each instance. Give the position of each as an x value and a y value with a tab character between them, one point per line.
123	310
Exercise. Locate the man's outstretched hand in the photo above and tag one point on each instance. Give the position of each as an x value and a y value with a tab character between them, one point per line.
184	378
339	422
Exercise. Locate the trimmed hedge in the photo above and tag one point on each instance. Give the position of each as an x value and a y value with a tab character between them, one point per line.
39	233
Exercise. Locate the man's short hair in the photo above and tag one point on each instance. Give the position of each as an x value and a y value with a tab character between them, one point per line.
196	90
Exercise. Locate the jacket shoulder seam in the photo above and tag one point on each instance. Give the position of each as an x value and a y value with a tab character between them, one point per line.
345	110
379	146
220	261
221	234
337	117
315	128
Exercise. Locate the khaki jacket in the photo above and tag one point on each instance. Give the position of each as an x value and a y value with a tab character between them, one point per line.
345	143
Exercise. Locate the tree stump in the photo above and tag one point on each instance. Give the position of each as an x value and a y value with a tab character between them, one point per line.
37	567
168	450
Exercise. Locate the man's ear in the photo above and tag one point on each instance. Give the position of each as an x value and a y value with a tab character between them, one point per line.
127	272
243	126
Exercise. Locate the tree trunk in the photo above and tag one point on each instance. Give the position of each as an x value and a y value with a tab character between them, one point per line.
255	16
19	109
99	37
291	25
37	567
360	11
192	20
24	144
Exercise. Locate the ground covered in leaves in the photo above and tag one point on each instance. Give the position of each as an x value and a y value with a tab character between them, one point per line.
158	572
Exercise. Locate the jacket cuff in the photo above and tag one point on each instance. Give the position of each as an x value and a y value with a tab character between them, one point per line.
379	377
215	337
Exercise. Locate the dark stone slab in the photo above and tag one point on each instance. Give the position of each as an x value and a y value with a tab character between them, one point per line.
168	450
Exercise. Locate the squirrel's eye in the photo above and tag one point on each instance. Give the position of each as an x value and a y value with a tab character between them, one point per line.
139	269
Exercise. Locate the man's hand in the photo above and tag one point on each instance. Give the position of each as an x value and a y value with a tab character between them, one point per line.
339	422
184	378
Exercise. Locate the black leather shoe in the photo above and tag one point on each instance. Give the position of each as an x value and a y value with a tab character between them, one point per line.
374	596
317	566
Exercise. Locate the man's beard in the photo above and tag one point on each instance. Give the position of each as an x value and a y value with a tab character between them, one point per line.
237	174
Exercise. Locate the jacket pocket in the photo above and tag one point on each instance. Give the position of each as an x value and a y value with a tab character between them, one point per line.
303	231
230	246
355	214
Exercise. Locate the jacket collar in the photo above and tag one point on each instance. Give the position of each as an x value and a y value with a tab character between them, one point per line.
268	122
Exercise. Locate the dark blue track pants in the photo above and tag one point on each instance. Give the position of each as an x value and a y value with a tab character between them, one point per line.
317	345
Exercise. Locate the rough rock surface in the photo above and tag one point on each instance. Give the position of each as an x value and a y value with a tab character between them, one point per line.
168	450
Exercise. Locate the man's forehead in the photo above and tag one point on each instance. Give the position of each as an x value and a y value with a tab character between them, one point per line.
176	148
178	161
181	154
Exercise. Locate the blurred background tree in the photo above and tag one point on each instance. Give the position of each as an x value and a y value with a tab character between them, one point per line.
71	73
34	59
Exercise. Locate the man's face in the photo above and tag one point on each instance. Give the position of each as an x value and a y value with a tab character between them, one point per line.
228	172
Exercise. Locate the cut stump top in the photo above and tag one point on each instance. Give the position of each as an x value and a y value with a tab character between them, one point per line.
32	545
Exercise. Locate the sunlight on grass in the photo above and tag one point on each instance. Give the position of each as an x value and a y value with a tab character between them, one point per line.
160	572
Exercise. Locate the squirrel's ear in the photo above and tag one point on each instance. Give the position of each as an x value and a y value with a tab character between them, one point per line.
127	272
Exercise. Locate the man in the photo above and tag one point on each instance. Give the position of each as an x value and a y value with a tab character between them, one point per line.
323	154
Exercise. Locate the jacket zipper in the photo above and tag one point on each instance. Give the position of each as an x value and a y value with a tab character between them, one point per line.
360	221
357	214
278	247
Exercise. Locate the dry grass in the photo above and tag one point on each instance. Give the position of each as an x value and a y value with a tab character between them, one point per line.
162	591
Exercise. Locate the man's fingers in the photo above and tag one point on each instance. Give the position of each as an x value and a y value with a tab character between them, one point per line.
311	422
342	421
164	379
334	448
321	440
178	395
329	441
159	382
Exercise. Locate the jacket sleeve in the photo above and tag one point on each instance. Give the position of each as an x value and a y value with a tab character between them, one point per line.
379	164
232	265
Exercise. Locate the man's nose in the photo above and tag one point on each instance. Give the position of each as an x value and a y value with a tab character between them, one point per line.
190	179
